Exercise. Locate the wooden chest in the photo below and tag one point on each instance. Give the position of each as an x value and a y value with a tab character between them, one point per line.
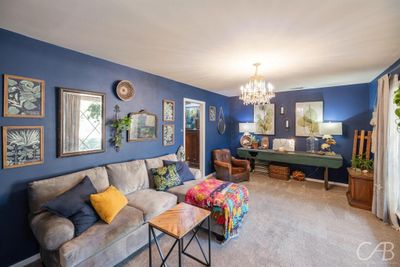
279	171
361	187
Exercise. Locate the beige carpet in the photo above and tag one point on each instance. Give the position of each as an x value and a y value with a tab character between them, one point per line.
294	224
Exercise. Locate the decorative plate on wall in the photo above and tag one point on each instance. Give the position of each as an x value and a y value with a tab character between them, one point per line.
221	122
125	90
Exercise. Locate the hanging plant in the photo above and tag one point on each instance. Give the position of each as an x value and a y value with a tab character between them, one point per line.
119	125
396	101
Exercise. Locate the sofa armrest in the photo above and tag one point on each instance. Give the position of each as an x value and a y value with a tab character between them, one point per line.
196	173
51	231
241	163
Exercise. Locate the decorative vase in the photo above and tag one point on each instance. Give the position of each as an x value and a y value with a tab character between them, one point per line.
254	145
312	144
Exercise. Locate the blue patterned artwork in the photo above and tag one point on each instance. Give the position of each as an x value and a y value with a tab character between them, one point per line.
23	97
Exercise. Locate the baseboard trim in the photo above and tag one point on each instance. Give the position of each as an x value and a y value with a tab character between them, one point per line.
322	181
27	261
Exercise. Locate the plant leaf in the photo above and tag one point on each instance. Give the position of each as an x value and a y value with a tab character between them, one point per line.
13	110
29	105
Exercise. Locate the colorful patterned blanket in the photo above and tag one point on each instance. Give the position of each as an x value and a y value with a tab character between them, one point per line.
227	201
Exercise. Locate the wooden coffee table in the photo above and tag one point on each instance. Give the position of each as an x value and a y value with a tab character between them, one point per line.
177	223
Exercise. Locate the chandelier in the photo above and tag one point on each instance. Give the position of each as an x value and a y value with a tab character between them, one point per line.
256	91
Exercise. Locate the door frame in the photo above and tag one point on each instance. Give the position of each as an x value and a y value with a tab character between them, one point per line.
203	119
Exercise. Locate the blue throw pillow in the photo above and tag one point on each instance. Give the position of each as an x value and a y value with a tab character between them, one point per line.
72	201
84	218
182	169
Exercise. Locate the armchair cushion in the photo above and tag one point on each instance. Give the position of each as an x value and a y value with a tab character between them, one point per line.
51	231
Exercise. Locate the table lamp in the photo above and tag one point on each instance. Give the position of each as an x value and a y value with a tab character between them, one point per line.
246	128
328	129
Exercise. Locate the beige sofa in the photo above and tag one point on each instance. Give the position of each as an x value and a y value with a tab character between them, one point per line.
103	244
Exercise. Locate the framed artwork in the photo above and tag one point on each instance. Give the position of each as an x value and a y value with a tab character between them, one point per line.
22	146
168	134
308	117
23	97
212	113
143	126
264	119
168	110
81	128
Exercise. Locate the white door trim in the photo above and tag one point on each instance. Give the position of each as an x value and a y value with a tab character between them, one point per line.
202	131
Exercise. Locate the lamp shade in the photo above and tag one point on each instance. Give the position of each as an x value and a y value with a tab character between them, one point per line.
332	128
247	127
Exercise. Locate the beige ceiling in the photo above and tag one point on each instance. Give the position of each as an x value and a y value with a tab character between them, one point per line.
212	44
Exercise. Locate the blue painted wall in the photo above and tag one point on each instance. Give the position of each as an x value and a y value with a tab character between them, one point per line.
348	104
24	56
373	85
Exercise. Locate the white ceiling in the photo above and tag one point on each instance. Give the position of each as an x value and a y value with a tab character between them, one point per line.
212	44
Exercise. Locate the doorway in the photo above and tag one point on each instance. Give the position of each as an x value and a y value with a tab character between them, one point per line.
194	133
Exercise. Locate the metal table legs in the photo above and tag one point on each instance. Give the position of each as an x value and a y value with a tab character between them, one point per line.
181	247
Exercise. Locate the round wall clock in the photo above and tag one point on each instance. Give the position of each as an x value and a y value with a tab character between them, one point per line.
125	90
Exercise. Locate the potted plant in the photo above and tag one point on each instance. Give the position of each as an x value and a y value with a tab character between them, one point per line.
254	142
355	163
396	101
119	125
360	163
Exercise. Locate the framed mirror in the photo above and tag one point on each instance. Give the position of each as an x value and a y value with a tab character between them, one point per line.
81	122
143	126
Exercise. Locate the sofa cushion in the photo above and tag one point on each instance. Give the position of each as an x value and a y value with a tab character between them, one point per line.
101	235
180	191
51	231
71	201
128	176
157	163
151	202
43	190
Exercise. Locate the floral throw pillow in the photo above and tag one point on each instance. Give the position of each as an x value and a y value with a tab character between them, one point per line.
166	177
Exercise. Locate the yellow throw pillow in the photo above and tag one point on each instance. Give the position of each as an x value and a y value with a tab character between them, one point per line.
108	203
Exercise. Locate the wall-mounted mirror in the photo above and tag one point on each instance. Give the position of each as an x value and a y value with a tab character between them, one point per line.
81	122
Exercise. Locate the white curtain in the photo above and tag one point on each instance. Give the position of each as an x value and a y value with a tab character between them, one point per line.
393	157
386	200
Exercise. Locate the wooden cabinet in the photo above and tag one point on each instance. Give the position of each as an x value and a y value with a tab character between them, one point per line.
192	147
360	190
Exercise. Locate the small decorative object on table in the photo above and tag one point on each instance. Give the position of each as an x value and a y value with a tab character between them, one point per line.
125	90
328	129
246	129
119	125
254	142
264	142
281	144
298	175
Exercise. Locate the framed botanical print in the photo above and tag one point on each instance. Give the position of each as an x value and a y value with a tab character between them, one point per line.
168	134
22	146
23	97
308	117
168	110
143	126
212	113
264	119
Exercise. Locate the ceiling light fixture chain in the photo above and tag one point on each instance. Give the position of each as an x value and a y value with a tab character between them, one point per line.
256	91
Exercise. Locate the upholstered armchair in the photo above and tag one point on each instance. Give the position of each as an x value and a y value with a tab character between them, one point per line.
230	169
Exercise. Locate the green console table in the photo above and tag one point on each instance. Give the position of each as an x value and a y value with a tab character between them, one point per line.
296	157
